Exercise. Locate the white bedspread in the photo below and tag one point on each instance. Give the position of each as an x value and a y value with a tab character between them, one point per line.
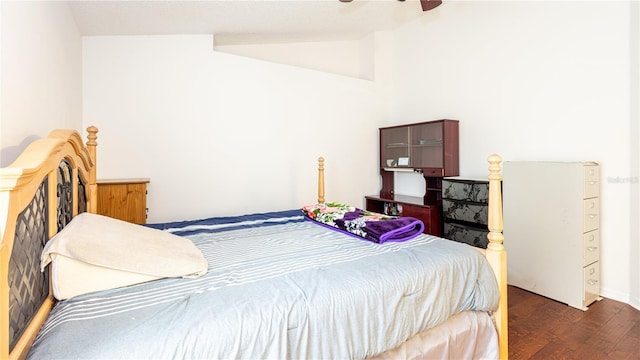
294	290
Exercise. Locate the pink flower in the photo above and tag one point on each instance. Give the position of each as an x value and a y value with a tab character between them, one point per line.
309	207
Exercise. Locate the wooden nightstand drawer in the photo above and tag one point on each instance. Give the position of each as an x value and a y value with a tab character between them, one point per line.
124	199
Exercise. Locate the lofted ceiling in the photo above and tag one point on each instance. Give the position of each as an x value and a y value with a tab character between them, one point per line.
246	21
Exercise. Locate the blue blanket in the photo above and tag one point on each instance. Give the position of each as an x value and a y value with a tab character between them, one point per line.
327	298
368	225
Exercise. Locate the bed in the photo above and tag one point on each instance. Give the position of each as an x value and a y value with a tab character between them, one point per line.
276	284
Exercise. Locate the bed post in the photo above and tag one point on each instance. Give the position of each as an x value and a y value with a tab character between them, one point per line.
496	254
321	180
4	303
93	187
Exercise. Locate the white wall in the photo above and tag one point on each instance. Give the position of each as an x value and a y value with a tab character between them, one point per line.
533	81
41	74
350	58
634	253
221	134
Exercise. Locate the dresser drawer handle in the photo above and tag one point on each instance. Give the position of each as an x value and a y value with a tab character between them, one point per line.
592	271
592	182
592	248
592	282
592	216
591	238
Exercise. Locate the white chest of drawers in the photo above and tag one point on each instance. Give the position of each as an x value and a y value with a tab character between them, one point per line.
551	229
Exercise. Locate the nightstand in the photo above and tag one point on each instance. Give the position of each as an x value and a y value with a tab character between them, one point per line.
124	199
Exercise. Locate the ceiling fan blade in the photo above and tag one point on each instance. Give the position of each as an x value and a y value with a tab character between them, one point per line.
429	4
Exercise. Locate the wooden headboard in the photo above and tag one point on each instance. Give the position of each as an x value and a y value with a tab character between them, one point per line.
53	180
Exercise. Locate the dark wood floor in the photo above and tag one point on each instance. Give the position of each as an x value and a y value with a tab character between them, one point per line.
541	328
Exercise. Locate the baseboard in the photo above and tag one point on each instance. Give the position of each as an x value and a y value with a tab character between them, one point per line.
634	301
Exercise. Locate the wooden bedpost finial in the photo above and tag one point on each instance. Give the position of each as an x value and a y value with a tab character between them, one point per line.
92	137
494	166
320	180
495	192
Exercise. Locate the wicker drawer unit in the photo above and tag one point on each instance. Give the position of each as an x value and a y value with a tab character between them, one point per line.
464	210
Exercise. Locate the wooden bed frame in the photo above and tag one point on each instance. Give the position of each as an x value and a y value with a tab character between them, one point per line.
55	178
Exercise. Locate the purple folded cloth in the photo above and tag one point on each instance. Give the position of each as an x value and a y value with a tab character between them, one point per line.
371	226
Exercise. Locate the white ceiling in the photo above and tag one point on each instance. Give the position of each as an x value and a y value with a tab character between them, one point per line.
246	21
